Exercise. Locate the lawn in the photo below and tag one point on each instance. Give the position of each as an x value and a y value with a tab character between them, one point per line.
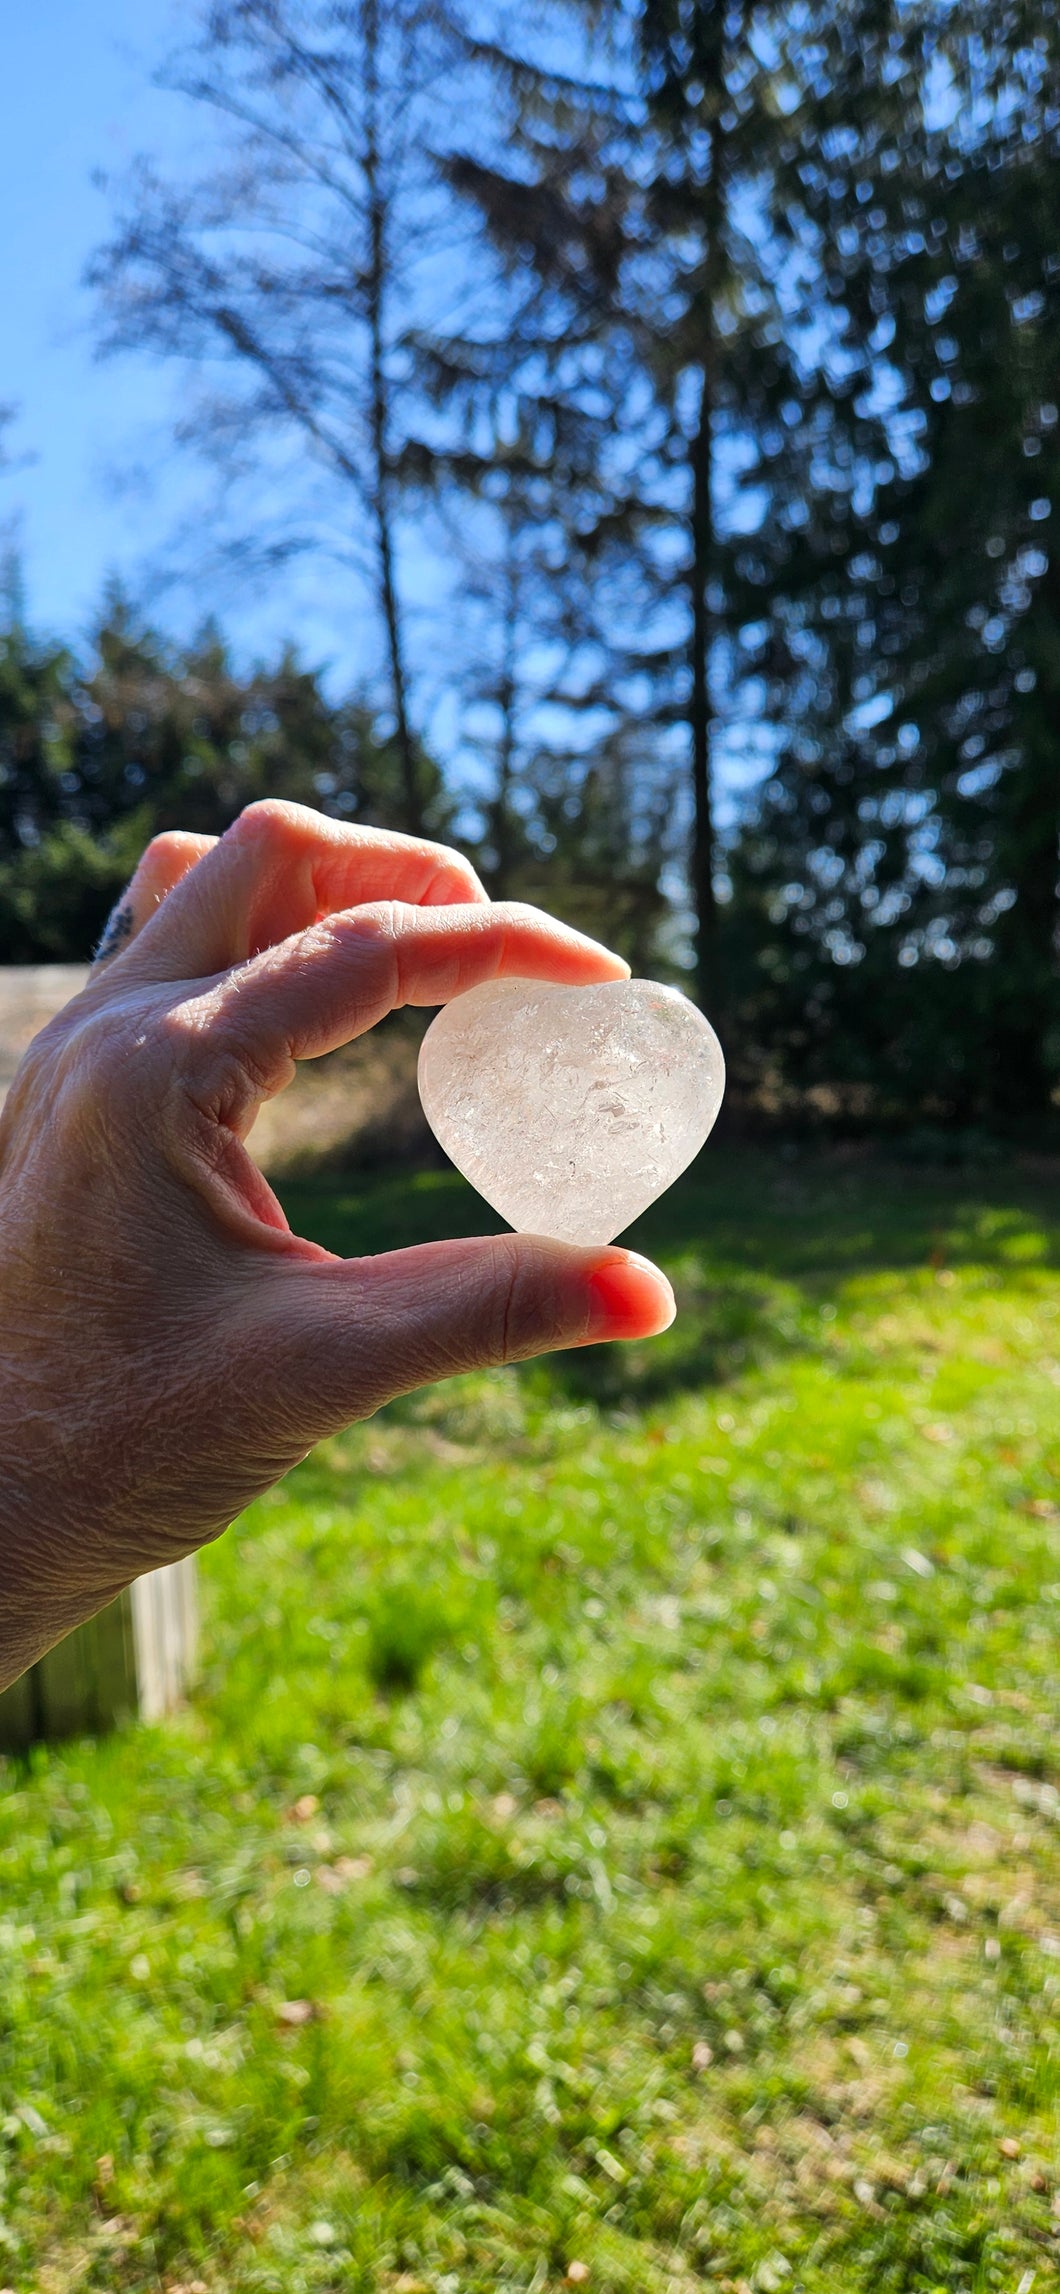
617	1838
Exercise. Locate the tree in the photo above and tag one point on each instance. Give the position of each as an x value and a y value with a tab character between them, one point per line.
905	857
574	800
978	343
663	250
97	757
36	736
600	844
285	274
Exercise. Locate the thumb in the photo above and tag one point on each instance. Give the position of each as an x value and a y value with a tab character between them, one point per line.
345	1336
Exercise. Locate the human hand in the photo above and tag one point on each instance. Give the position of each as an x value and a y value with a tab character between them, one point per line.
168	1348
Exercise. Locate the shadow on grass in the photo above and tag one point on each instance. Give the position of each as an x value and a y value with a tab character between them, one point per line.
471	1866
722	1329
756	1241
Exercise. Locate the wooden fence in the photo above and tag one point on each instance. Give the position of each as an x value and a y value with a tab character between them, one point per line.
136	1657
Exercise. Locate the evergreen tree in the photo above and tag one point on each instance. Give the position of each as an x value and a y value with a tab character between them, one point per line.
96	759
37	735
978	341
900	872
664	333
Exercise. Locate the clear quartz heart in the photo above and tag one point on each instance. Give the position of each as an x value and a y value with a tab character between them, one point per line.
571	1109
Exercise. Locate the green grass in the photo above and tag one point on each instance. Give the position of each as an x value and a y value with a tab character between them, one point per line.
620	1821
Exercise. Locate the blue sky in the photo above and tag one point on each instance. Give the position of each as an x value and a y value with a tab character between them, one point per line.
75	96
100	484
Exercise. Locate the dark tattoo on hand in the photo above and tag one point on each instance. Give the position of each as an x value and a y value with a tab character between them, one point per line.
117	929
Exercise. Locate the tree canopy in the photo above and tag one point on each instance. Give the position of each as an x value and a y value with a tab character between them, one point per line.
710	350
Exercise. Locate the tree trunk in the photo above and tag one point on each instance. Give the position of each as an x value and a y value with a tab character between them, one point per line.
412	807
1026	1003
704	567
500	810
704	901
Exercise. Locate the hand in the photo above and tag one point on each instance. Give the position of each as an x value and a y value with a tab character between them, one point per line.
168	1348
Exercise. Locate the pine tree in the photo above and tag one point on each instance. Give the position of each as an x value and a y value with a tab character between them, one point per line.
978	340
659	221
37	726
900	872
97	757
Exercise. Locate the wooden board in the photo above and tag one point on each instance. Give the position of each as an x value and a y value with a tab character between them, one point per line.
136	1657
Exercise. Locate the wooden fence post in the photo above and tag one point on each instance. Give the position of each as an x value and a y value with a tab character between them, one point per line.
137	1656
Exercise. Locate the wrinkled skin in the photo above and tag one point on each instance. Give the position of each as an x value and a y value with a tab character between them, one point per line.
168	1348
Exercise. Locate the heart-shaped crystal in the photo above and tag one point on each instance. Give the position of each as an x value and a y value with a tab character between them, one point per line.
571	1109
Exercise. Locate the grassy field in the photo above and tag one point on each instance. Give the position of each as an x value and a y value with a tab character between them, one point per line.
617	1841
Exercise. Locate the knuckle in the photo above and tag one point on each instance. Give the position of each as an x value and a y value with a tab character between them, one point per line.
181	1029
377	920
74	1078
39	1057
527	1316
373	931
208	1055
373	939
513	915
449	865
188	1051
29	1100
267	820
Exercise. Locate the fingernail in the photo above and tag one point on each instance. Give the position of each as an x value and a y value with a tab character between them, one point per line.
630	1298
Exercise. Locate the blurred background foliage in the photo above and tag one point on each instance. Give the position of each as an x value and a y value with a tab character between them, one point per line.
712	349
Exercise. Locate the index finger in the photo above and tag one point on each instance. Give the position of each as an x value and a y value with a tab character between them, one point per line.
338	979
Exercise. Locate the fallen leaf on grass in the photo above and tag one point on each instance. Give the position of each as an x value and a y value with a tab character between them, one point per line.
1014	1913
294	2012
333	1878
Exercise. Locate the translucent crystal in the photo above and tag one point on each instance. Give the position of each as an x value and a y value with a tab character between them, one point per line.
571	1109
